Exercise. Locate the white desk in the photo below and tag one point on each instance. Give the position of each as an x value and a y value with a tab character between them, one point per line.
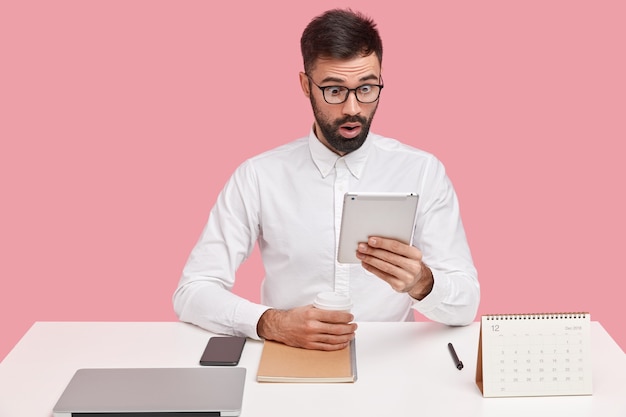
404	369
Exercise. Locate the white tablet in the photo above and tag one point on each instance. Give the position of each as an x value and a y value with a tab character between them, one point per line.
390	215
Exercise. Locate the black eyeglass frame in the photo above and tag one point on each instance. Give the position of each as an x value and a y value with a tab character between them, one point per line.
350	90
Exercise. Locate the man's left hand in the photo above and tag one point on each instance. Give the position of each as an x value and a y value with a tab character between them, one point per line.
397	263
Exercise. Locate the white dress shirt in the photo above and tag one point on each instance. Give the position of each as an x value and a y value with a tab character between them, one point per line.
290	200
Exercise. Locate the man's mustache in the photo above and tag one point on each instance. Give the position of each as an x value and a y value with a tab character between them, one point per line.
351	119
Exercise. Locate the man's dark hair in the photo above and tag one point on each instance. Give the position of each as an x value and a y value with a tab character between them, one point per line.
339	34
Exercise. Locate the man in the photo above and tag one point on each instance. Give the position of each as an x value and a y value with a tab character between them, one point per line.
289	200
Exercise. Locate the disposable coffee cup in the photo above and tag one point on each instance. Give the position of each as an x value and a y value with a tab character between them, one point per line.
333	301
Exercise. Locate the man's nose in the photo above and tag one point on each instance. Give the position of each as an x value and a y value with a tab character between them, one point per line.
351	106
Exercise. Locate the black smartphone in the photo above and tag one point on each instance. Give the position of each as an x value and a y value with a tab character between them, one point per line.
223	351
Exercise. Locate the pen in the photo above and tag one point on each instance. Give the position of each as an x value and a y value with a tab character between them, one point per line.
457	362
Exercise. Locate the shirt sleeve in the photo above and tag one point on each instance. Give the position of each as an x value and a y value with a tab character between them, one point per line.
204	294
441	237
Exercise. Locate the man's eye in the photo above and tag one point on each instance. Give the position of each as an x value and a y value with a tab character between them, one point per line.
335	91
365	89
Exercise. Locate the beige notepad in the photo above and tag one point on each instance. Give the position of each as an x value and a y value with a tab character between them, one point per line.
282	363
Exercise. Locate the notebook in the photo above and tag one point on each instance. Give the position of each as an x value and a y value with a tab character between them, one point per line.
282	363
162	392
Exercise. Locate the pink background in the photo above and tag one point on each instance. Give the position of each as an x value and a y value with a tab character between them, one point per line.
120	121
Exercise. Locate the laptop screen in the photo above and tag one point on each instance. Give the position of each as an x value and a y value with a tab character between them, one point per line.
146	392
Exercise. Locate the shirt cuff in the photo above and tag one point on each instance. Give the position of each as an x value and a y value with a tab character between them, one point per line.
441	288
247	318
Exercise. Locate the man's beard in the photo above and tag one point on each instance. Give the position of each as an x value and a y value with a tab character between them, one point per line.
330	130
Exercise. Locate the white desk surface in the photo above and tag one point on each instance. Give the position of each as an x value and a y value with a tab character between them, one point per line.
404	369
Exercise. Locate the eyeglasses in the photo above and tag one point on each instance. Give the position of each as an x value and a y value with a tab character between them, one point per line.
336	94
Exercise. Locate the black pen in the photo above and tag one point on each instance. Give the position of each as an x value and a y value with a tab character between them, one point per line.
457	362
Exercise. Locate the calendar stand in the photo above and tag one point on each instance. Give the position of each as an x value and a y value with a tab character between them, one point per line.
534	355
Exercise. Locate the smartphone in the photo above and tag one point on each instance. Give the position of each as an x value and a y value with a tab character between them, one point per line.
223	351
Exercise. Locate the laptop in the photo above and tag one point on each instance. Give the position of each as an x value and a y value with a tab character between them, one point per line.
153	392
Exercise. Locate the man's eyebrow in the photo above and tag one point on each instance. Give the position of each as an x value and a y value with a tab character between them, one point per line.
338	80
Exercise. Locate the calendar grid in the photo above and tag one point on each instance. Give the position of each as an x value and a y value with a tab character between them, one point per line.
536	354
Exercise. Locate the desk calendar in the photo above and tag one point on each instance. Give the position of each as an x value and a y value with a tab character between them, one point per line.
534	355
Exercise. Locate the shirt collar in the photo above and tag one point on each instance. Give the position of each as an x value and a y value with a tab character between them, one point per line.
325	159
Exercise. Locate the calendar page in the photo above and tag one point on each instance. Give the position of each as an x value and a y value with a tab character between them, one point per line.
534	355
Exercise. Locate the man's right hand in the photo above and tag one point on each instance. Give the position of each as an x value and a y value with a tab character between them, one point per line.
308	327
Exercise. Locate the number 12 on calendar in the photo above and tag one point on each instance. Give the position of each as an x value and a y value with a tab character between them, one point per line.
534	355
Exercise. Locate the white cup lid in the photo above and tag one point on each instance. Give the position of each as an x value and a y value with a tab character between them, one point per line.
333	301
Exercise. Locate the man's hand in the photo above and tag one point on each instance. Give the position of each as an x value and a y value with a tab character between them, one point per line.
308	327
399	264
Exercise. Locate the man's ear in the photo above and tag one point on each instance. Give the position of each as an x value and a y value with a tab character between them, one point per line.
304	84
